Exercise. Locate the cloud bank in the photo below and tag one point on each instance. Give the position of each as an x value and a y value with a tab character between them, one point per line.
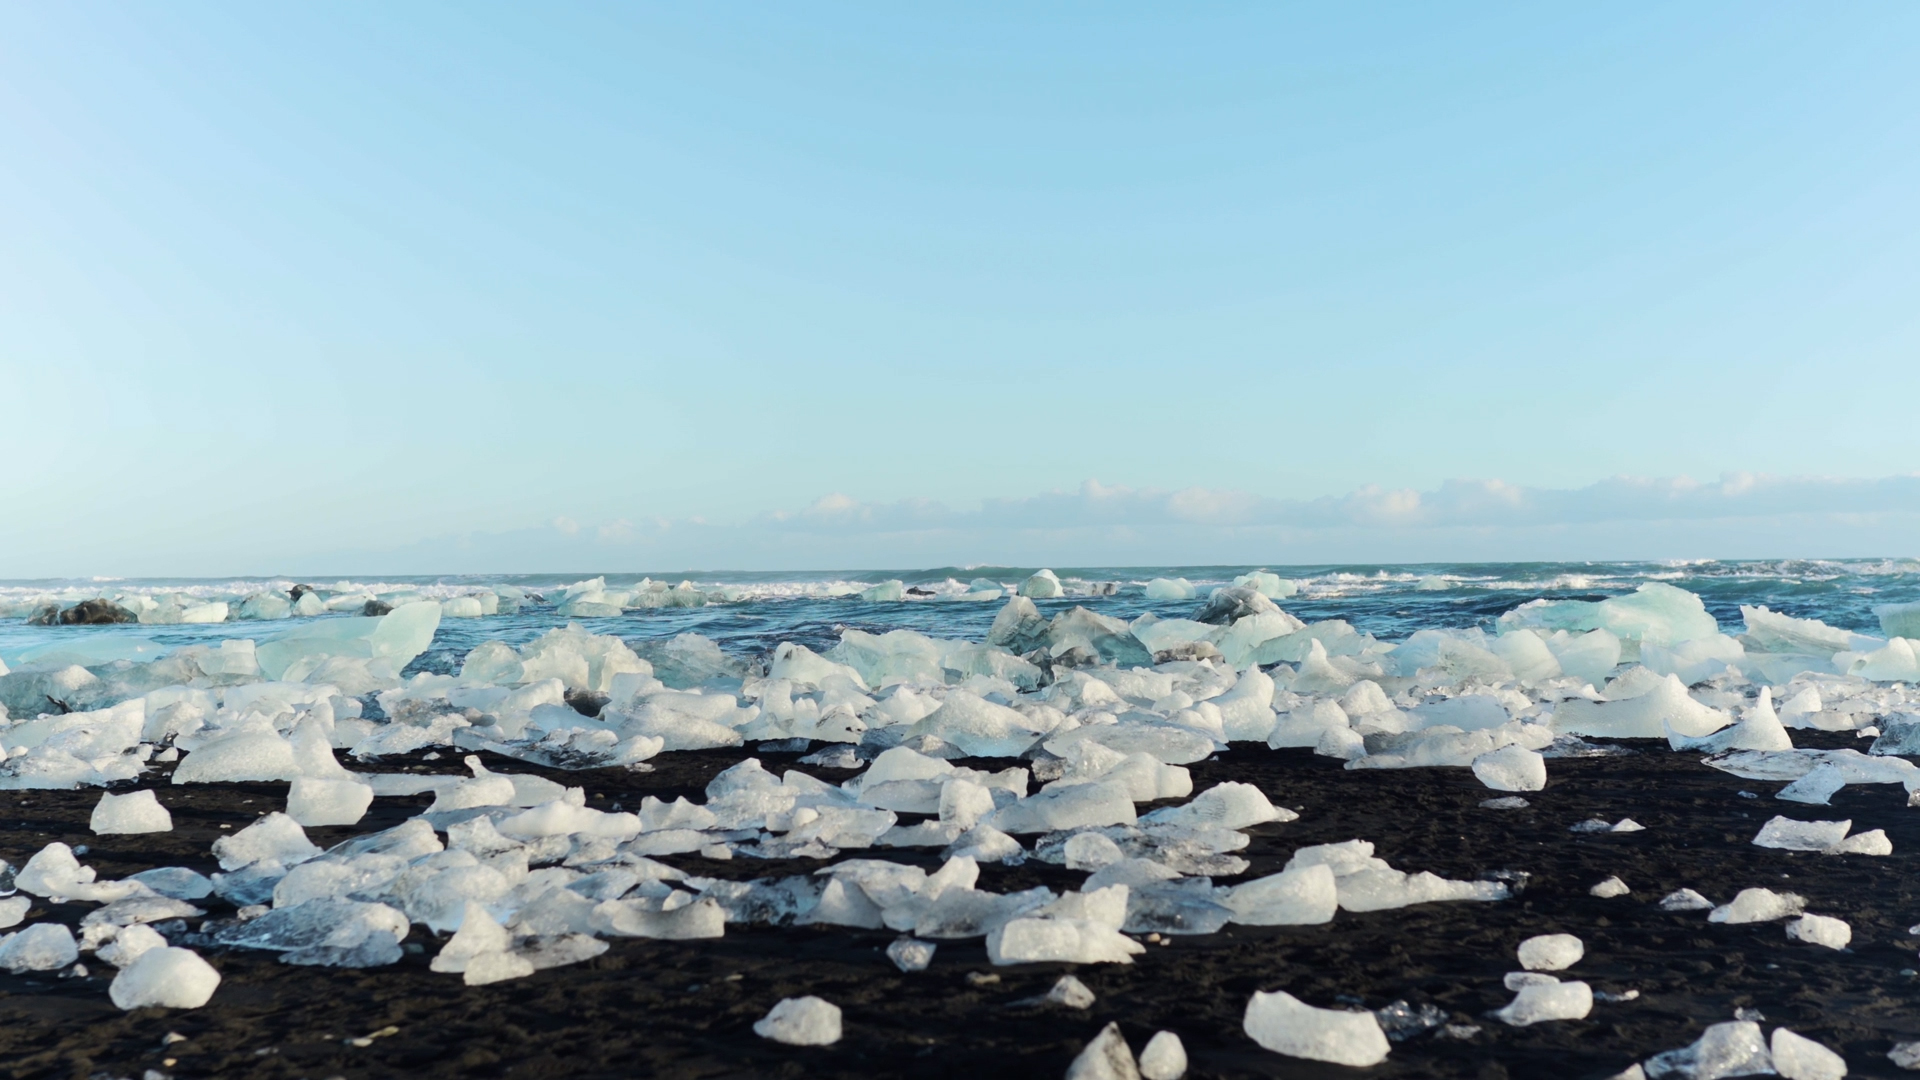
1737	516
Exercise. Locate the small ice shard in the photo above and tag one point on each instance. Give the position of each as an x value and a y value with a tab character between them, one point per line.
1165	1057
910	954
1551	952
1286	1025
1789	835
1797	1057
1519	980
1090	851
1821	930
13	909
1735	1048
1758	905
328	802
1609	889
1402	1021
1303	896
1627	824
1106	1057
1684	900
1511	768
1071	992
1228	805
132	813
40	947
275	837
166	977
1906	1055
801	1021
1509	802
1548	1001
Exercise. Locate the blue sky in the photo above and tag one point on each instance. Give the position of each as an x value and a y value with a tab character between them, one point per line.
333	288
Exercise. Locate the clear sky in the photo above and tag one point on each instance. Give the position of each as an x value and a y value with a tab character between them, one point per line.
287	287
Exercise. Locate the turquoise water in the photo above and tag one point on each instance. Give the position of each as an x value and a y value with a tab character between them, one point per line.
1389	601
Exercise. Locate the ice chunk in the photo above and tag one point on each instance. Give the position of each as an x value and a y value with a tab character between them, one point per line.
395	639
1735	1048
978	727
324	931
1511	768
886	592
479	934
1164	1058
1684	900
909	953
1042	586
1789	835
1821	930
1301	896
1653	715
1797	1057
40	947
1105	1057
1609	889
802	1021
1537	1002
1071	941
1080	806
274	838
132	813
253	755
1284	1024
13	909
328	802
167	978
1761	730
1551	952
1181	589
1091	851
174	881
1228	805
1758	905
130	943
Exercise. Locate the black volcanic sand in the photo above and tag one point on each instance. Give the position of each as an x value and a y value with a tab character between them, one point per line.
686	1009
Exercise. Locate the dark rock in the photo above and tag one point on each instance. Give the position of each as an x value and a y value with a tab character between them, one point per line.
587	702
377	607
294	594
918	591
96	613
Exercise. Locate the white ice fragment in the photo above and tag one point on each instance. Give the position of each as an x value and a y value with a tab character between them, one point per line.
1609	889
253	755
1090	851
135	812
479	934
1228	805
166	977
1734	1048
1871	842
1301	896
1286	1025
1071	992
1821	930
907	953
40	947
1069	941
13	909
493	967
1684	900
1511	768
1105	1057
1654	715
1099	803
1164	1058
1797	1057
802	1021
130	943
328	802
1789	835
1758	905
1551	952
275	837
1548	1001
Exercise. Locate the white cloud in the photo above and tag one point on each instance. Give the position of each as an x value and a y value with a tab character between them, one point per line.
1740	515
